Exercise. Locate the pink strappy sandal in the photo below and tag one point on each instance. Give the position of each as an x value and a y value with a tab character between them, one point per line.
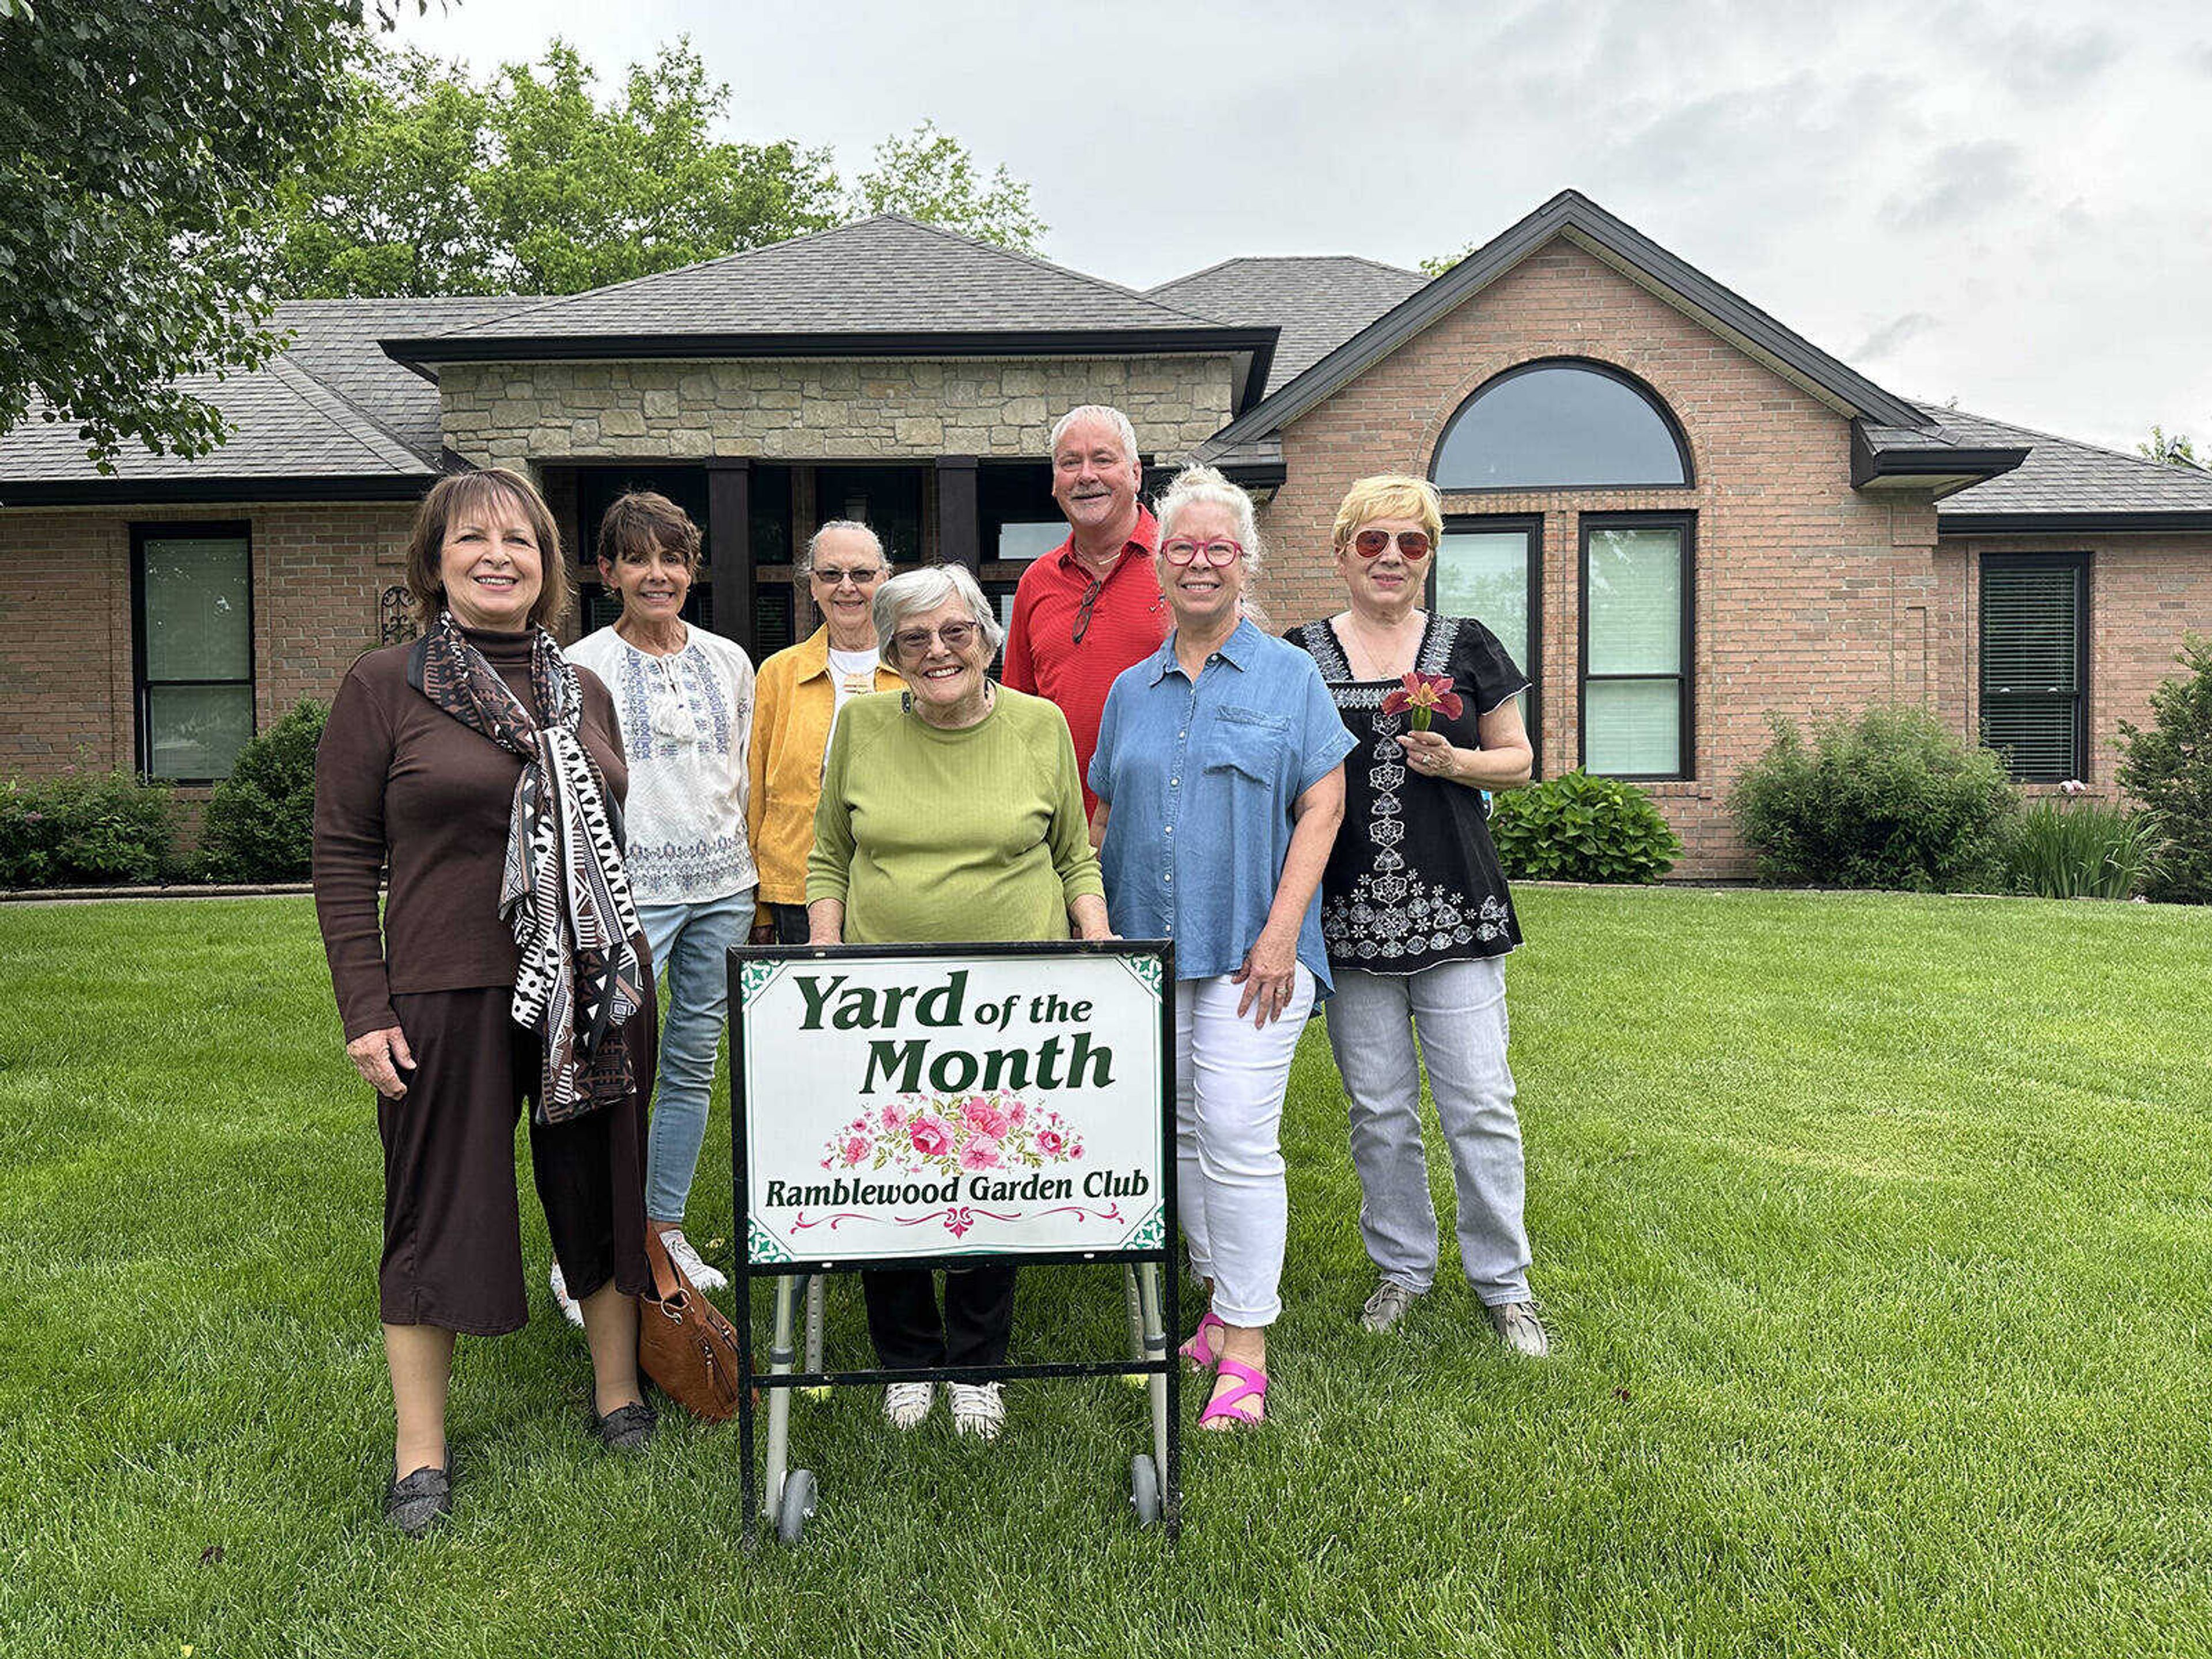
1252	1385
1195	1352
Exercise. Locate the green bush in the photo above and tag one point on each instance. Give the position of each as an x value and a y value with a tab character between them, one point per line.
260	822
1891	798
2168	769
89	829
2073	848
1578	828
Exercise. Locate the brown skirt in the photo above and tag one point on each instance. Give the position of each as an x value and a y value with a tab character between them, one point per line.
452	1224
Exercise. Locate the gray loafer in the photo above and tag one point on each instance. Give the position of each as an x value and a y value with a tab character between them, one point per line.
626	1428
416	1505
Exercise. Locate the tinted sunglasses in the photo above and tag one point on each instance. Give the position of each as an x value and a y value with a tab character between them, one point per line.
912	642
1373	543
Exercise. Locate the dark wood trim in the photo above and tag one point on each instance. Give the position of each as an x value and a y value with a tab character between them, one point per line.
244	491
212	530
730	546
1687	524
959	511
1532	525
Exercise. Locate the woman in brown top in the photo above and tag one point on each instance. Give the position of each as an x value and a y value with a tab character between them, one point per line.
488	773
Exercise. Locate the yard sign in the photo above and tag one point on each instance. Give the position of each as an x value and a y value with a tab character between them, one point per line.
979	1101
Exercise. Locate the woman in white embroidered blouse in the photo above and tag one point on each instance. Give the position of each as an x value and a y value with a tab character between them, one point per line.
684	698
1415	910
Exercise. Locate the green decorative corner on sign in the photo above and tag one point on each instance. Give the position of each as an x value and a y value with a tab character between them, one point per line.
754	977
1152	1234
1145	970
763	1246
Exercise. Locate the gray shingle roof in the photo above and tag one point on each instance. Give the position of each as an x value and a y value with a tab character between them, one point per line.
336	341
331	406
2063	476
1319	301
885	275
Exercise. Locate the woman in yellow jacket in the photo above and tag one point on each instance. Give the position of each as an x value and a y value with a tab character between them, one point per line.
796	696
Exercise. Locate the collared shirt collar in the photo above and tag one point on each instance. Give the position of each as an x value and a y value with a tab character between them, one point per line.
1236	651
814	654
1144	538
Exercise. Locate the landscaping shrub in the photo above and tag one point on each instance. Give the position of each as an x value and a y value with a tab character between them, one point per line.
2072	848
90	829
1578	828
1891	798
260	822
2168	768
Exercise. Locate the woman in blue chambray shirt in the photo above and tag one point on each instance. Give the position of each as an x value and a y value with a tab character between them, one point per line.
1220	775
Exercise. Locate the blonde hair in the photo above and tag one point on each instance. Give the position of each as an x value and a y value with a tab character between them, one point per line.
1390	495
465	492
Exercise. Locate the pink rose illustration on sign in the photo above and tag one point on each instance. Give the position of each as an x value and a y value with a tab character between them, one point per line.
985	1119
944	1136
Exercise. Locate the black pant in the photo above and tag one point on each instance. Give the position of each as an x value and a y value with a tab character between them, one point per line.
903	1319
790	924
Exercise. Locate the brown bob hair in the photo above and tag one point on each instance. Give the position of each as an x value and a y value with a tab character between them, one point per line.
638	520
468	492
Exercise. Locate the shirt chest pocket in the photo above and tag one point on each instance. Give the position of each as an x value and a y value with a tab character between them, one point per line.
1246	745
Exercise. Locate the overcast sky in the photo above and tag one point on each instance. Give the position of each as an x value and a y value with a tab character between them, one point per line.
2003	204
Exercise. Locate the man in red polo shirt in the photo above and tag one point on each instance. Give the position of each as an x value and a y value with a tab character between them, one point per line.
1092	606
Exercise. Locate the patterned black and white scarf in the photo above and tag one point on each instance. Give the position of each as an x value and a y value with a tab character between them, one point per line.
565	892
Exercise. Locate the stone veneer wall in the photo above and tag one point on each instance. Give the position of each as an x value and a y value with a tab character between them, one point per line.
317	570
817	409
1809	597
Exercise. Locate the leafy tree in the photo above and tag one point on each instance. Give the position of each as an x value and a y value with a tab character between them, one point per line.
2168	768
530	182
929	175
1444	262
2175	450
134	142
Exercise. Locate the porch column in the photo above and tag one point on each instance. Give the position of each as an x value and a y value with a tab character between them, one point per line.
730	545
959	512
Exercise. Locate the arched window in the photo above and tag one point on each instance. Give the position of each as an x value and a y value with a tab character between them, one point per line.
1559	423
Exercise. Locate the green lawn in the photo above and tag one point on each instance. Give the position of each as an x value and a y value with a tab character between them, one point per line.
1874	1231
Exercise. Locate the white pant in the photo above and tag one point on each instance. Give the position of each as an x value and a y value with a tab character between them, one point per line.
1233	1204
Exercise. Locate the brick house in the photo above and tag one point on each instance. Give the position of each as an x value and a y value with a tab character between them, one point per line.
1682	515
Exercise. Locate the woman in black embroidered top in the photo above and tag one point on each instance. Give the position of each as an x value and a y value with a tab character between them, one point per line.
1415	909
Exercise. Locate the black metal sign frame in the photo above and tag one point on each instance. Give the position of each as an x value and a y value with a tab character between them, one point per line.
1164	1255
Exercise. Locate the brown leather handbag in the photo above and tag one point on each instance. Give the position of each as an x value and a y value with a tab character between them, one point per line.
684	1343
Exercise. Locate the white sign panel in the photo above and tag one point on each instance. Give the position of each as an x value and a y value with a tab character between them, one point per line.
951	1105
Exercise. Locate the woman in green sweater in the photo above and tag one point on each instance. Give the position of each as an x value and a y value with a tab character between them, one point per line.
951	813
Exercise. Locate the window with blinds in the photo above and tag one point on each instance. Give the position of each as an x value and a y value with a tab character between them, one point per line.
2035	658
1636	610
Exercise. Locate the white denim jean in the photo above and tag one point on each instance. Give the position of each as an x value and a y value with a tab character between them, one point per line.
1230	1195
1458	1010
690	950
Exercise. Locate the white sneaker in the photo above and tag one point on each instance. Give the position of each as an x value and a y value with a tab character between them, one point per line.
680	1251
978	1408
908	1403
569	1310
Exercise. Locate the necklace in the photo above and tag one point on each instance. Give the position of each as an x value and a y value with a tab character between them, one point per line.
1380	657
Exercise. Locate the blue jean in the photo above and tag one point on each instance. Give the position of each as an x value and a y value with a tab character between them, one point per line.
691	945
1458	1011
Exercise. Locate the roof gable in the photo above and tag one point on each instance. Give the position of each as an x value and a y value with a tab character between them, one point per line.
1618	244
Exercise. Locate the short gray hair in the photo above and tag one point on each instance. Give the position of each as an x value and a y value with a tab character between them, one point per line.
806	558
927	588
1106	412
1196	486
